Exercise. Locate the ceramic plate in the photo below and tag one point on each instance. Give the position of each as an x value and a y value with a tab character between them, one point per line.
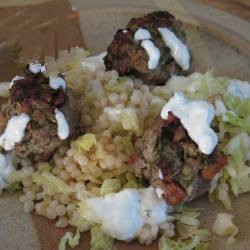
218	40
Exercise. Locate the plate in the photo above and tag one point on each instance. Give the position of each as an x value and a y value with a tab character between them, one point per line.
218	40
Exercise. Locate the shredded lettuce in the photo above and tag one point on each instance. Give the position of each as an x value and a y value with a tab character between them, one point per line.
99	240
239	106
129	120
155	106
86	213
133	182
126	116
234	126
191	236
78	221
85	142
69	239
194	243
237	150
187	231
14	187
235	120
55	184
207	86
222	193
15	176
71	72
83	218
127	144
109	186
188	216
224	226
4	89
188	224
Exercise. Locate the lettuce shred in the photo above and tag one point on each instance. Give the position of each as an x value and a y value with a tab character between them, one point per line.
194	243
83	218
235	120
99	240
207	86
14	180
109	186
69	239
78	221
234	133
4	89
188	224
191	235
237	105
85	142
127	144
237	150
224	226
126	116
50	181
14	187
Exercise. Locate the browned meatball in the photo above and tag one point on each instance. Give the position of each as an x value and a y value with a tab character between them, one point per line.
34	97
168	157
128	57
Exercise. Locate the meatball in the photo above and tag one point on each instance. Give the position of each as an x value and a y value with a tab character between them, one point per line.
171	161
127	55
39	98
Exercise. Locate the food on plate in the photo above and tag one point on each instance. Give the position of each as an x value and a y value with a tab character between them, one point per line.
41	115
224	226
152	48
178	152
145	150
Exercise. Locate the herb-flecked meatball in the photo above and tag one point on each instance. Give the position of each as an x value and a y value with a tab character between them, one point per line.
52	111
172	162
127	55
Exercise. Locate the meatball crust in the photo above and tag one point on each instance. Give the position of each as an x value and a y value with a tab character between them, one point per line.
128	57
172	162
34	97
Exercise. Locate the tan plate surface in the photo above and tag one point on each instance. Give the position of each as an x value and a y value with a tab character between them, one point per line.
218	40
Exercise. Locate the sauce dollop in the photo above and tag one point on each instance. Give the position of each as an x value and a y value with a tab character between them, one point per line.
196	117
63	127
179	50
14	131
123	215
239	88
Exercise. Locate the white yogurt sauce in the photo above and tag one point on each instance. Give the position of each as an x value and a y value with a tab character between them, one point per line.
153	52
14	131
94	63
15	79
160	192
125	31
142	34
178	49
239	88
196	117
37	68
160	174
57	82
123	215
6	169
63	127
